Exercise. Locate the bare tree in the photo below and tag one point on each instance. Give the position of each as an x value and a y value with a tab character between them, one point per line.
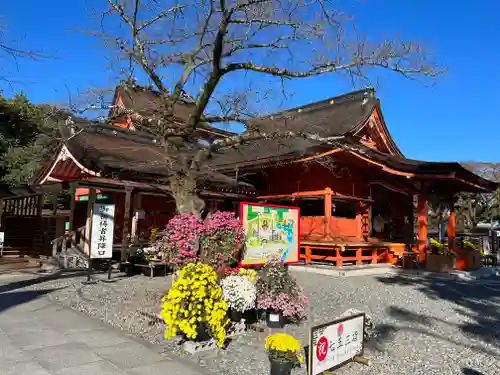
199	51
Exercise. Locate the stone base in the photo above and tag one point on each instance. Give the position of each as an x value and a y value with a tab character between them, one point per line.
193	347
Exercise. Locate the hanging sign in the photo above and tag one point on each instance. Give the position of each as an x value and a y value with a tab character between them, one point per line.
333	344
101	240
270	229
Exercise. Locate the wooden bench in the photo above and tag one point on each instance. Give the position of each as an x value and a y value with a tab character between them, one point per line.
153	267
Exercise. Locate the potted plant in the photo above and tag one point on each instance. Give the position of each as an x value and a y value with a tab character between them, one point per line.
222	241
179	244
248	273
440	259
239	293
194	305
284	353
251	316
279	295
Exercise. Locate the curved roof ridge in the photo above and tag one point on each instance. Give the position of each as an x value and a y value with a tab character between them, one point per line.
330	117
358	94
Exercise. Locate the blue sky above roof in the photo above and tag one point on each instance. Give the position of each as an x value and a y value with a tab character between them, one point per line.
454	120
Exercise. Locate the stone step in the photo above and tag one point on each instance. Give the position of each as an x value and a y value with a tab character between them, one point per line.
354	270
12	259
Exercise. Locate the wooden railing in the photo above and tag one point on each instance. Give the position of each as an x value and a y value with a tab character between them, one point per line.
351	252
68	240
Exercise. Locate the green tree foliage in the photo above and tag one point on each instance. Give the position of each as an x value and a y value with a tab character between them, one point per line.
27	132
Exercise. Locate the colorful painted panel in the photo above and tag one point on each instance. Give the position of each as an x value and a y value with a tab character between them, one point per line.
269	229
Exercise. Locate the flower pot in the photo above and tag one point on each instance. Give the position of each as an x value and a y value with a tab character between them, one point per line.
281	367
275	320
438	263
130	269
202	333
251	316
235	316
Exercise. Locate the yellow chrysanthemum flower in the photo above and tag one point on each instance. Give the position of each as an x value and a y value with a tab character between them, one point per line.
195	298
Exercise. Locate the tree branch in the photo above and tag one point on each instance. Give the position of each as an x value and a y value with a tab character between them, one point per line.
140	54
159	16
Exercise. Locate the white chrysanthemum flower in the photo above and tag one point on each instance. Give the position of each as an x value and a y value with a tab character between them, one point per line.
239	293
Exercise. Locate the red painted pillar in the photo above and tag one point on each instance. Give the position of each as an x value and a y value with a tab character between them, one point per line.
365	220
328	210
452	230
422	226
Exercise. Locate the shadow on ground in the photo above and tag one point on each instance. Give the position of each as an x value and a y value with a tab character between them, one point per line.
469	371
477	303
11	296
12	299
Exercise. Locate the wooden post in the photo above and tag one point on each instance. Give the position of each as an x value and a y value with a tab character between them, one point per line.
338	255
1	213
308	254
54	204
88	223
126	222
452	230
328	210
72	206
365	220
39	205
359	254
422	227
374	255
135	219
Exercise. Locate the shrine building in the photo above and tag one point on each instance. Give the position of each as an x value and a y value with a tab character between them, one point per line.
361	200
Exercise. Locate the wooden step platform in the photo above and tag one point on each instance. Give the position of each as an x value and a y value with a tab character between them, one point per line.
358	253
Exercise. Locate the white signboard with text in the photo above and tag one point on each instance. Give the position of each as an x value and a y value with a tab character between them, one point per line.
2	239
101	240
334	344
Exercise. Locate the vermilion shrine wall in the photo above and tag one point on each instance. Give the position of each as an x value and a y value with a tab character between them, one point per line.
345	180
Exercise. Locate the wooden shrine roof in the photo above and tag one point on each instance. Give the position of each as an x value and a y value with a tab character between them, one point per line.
8	192
344	115
266	151
103	151
424	168
150	104
335	116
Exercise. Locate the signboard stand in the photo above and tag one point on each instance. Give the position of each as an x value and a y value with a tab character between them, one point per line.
334	344
2	238
89	272
362	360
101	235
109	270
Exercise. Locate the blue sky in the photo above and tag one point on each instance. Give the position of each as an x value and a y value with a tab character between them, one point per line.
454	120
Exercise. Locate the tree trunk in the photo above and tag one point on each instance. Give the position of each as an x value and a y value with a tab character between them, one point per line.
186	199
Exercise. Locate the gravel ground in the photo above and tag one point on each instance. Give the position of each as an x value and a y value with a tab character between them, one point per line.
426	325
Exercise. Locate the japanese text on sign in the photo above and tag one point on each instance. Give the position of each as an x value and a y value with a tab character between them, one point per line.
102	230
333	344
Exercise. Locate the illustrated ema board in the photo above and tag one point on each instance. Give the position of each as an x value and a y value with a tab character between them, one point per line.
269	229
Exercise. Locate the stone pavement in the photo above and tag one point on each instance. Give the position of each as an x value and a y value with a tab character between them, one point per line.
38	337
